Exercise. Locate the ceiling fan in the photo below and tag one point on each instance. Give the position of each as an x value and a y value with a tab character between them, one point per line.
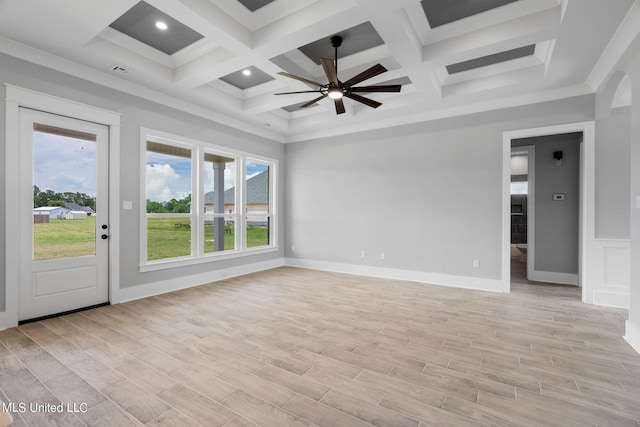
336	89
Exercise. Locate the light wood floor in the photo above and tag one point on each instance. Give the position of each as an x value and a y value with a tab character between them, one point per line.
293	347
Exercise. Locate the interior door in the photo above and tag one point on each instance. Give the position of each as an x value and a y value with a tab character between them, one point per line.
63	214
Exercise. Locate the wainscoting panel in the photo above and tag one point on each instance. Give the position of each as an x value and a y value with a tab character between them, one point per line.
610	272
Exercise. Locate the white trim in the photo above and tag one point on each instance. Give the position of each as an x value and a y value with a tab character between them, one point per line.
3	321
632	335
183	282
465	282
16	97
609	298
531	206
554	277
616	49
210	257
587	198
609	268
198	150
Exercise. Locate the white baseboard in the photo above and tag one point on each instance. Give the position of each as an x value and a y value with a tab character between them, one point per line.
552	277
632	335
3	321
611	299
170	285
476	283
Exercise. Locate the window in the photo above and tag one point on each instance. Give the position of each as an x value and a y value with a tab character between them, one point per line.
168	200
521	187
203	202
258	203
220	214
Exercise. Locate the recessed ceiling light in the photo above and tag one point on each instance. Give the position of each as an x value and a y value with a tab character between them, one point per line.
246	72
161	25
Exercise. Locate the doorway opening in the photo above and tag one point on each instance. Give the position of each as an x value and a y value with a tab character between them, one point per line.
555	214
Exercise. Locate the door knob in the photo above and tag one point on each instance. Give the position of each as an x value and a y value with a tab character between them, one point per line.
104	226
104	237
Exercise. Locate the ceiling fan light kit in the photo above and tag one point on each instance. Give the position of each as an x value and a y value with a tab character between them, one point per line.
337	89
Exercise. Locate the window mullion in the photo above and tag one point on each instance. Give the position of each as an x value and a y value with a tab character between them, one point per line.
197	204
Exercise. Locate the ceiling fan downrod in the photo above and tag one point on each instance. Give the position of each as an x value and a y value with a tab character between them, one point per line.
336	42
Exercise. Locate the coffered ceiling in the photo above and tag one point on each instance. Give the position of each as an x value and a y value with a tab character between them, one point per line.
220	58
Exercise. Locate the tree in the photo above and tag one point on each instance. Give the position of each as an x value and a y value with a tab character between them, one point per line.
46	197
155	207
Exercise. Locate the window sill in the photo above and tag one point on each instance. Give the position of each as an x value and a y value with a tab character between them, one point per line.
187	261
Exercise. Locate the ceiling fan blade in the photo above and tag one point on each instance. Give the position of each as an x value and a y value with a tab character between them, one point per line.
366	74
339	106
383	88
330	70
302	91
366	101
313	101
302	79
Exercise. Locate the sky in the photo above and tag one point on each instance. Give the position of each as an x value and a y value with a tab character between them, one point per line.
64	164
169	177
68	164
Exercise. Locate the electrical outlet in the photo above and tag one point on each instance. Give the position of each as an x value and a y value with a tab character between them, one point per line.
381	255
127	204
476	263
363	254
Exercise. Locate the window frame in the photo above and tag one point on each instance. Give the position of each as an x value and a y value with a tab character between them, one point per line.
197	214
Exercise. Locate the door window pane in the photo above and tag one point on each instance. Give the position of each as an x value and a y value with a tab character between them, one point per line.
64	193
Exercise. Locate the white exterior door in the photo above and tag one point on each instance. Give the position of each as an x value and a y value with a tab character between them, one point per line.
63	250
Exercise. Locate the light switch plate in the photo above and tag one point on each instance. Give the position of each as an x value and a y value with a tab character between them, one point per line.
127	204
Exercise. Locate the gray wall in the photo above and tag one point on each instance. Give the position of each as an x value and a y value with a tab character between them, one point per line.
556	222
427	195
613	149
136	113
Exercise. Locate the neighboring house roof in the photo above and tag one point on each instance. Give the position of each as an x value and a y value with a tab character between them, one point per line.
257	191
77	207
49	208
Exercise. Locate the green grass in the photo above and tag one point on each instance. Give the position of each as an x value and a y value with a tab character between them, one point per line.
166	238
171	237
64	238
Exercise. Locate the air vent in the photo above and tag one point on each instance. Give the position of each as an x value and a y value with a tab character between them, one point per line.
120	70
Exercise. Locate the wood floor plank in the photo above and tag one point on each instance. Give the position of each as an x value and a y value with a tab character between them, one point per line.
426	414
322	415
261	412
328	363
203	410
143	405
348	385
174	418
108	414
293	382
371	413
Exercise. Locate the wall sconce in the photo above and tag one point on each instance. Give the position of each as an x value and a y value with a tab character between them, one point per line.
557	156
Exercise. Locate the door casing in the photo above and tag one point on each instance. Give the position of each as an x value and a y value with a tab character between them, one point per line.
16	97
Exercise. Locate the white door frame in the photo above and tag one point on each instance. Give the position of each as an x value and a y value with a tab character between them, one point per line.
530	150
587	197
17	97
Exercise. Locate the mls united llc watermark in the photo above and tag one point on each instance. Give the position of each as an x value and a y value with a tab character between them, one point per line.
44	407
